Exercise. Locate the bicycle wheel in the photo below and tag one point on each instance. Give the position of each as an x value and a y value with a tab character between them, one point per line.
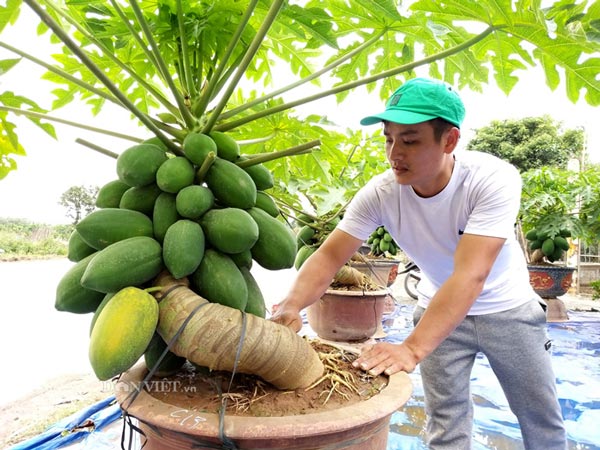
411	280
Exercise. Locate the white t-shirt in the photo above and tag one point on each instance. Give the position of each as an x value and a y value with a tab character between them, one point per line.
482	197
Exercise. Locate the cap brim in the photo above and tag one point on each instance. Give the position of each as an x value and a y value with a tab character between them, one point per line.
397	116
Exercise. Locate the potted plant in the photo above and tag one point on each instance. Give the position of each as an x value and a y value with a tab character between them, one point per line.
177	68
190	208
351	310
559	206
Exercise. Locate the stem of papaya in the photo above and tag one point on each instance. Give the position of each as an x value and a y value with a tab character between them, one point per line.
212	338
152	289
248	57
37	115
85	59
255	141
214	83
96	148
183	108
176	133
361	48
263	157
108	54
354	84
61	73
185	54
208	161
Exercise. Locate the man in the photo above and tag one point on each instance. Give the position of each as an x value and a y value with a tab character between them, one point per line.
454	216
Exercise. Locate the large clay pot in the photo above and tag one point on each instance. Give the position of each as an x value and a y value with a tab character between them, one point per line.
550	281
347	315
361	426
382	271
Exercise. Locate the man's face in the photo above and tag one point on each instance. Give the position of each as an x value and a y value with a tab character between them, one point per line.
417	159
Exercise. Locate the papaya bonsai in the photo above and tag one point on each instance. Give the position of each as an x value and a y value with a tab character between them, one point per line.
191	73
559	206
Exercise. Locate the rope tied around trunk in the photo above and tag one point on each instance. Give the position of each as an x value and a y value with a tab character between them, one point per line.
226	442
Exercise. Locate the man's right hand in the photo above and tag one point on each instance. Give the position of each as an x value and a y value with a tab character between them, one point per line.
287	316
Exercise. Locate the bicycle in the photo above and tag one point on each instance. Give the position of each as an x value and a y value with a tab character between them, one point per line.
412	278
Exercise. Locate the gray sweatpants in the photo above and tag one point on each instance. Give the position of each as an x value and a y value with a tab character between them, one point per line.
514	344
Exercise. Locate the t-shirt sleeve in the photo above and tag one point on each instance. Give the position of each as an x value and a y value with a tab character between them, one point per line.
497	200
362	215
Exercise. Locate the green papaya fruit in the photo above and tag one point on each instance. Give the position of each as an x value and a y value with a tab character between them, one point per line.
548	247
109	195
137	166
194	200
531	235
230	184
175	174
227	147
183	248
197	146
256	301
275	248
230	230
164	214
265	202
219	280
140	198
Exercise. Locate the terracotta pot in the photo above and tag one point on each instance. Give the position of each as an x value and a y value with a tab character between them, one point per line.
382	271
362	426
550	281
347	315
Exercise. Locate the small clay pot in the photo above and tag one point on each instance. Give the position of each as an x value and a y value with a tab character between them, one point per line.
347	316
382	271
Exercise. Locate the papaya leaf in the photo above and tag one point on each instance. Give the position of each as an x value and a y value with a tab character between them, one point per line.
7	64
9	145
9	12
18	102
312	24
9	98
7	164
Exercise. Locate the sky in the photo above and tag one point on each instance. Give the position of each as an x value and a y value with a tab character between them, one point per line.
53	166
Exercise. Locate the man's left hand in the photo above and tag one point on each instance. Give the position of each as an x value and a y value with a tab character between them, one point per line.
386	358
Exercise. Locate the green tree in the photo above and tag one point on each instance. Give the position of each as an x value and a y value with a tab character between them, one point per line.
79	201
530	143
181	66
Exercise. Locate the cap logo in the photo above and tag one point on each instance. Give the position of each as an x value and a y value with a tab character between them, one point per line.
395	99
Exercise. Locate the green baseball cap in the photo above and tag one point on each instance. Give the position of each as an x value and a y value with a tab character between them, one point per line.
419	100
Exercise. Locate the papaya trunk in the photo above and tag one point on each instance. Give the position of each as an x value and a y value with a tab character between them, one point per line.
212	336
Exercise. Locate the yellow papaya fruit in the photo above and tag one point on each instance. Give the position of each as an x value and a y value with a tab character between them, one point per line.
122	332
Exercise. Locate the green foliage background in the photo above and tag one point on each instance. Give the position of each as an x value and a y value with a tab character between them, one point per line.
180	65
530	143
22	239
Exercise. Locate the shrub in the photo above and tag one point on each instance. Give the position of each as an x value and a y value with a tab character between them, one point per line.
596	289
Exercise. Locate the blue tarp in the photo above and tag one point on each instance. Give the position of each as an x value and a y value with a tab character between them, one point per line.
74	427
575	351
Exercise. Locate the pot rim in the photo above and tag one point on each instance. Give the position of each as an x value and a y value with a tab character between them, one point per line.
376	262
153	411
345	293
550	266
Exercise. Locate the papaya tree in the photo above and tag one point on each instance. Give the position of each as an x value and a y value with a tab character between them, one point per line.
243	67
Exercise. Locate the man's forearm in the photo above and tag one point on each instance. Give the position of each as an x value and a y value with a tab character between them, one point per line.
447	309
318	271
312	281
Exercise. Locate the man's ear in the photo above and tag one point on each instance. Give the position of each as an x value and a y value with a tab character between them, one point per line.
451	139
